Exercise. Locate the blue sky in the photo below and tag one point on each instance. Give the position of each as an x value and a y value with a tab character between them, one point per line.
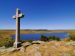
39	14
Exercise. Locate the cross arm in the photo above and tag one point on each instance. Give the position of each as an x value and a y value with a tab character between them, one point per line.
19	16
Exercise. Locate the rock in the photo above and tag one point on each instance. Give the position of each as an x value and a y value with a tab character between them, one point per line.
71	43
37	53
38	42
53	48
26	44
33	50
65	54
3	47
10	49
22	49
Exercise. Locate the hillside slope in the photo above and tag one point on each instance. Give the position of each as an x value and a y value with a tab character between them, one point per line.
52	48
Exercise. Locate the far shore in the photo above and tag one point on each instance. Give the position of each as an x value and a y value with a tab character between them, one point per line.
10	32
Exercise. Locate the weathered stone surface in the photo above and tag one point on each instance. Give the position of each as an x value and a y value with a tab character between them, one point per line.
53	48
26	44
71	43
33	50
22	49
39	42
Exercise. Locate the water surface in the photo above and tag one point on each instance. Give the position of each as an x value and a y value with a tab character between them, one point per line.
37	36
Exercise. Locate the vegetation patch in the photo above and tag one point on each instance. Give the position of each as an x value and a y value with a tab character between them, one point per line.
6	40
49	38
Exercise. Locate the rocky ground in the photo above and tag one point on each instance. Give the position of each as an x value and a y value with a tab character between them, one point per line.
52	48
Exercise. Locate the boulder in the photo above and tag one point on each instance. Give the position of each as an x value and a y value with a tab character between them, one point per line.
26	44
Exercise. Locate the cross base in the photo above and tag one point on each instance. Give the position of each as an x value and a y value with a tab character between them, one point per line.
17	44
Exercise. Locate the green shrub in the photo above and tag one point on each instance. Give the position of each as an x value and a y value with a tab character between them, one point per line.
22	41
7	42
44	38
72	37
54	38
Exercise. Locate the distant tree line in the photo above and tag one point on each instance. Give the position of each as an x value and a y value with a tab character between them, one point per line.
45	38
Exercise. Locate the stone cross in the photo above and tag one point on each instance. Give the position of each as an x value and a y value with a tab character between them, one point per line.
17	17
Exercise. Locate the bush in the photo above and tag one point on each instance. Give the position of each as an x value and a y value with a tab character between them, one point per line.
72	37
44	38
54	38
7	42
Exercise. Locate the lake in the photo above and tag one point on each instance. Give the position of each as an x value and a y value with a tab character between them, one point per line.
37	36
